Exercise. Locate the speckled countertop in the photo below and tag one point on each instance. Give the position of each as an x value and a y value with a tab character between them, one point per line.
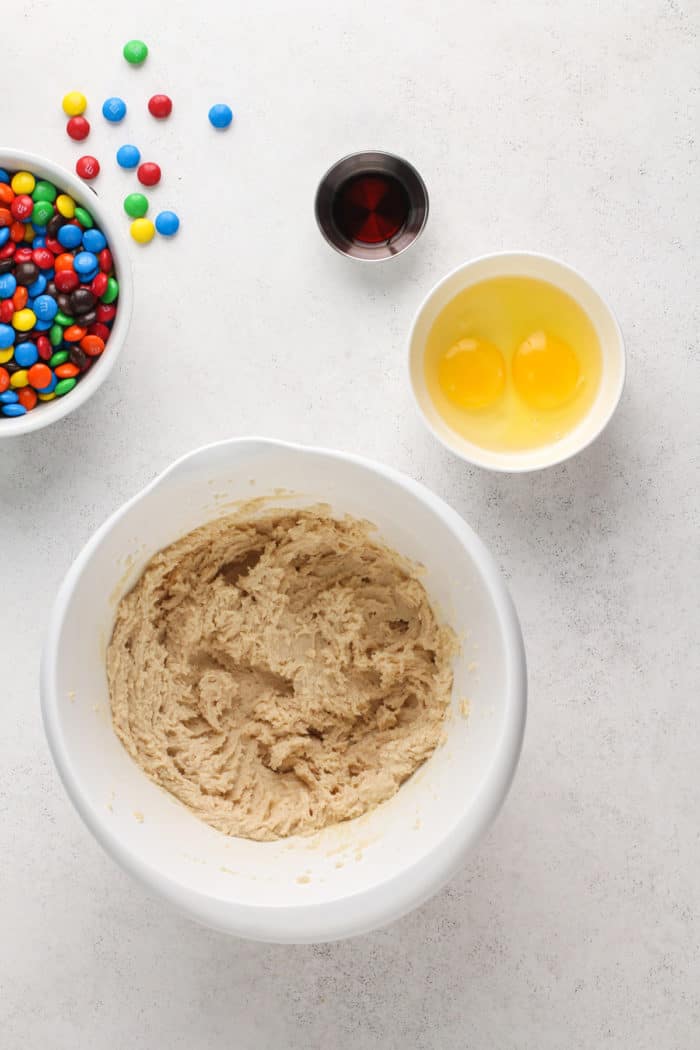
563	127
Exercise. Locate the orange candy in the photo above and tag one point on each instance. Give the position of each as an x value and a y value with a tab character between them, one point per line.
5	214
67	371
7	194
92	345
19	299
74	333
17	232
39	376
27	397
64	262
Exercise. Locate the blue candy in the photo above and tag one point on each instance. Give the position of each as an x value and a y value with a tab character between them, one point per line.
51	387
45	307
220	116
39	242
84	262
9	397
26	355
13	410
7	336
167	223
4	235
38	287
94	241
69	236
4	175
114	109
43	326
8	284
128	156
41	230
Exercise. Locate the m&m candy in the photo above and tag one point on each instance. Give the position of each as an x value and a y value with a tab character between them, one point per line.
74	103
160	106
128	156
220	115
167	223
78	128
142	230
58	293
136	205
114	109
88	167
148	173
135	52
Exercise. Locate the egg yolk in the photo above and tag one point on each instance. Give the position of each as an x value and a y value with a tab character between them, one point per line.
472	373
546	371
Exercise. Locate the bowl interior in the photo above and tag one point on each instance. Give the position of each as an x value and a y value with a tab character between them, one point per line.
522	264
136	819
51	411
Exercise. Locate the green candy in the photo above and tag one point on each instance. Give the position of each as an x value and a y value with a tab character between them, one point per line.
63	319
59	358
42	212
111	293
55	335
136	205
84	217
135	52
44	191
63	386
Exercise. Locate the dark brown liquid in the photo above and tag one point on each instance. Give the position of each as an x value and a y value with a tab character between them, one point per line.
371	208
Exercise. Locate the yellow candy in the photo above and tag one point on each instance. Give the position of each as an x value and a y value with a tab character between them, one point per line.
46	397
23	320
143	230
74	103
6	355
23	182
19	378
65	206
29	234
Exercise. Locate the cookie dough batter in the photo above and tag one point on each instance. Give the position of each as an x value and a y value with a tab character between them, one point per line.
280	673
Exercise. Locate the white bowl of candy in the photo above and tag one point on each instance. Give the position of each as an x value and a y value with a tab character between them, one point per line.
52	361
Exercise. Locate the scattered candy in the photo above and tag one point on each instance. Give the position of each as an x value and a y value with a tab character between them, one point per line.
128	156
114	109
136	205
167	223
78	128
74	103
135	52
143	231
160	106
58	292
220	115
148	173
88	167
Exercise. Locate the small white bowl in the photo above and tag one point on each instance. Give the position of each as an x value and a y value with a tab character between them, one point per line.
349	878
50	411
542	267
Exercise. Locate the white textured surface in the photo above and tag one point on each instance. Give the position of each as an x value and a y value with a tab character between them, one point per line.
569	128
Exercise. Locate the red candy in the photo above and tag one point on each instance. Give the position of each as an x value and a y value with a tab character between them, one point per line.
54	246
106	313
7	250
22	207
98	286
17	232
43	258
87	167
7	311
78	128
44	348
104	260
148	173
27	397
23	255
67	280
99	329
160	106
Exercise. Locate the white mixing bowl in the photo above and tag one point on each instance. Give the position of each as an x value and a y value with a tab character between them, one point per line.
349	878
106	220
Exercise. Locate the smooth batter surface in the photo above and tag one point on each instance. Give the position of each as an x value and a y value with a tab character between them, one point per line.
279	674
